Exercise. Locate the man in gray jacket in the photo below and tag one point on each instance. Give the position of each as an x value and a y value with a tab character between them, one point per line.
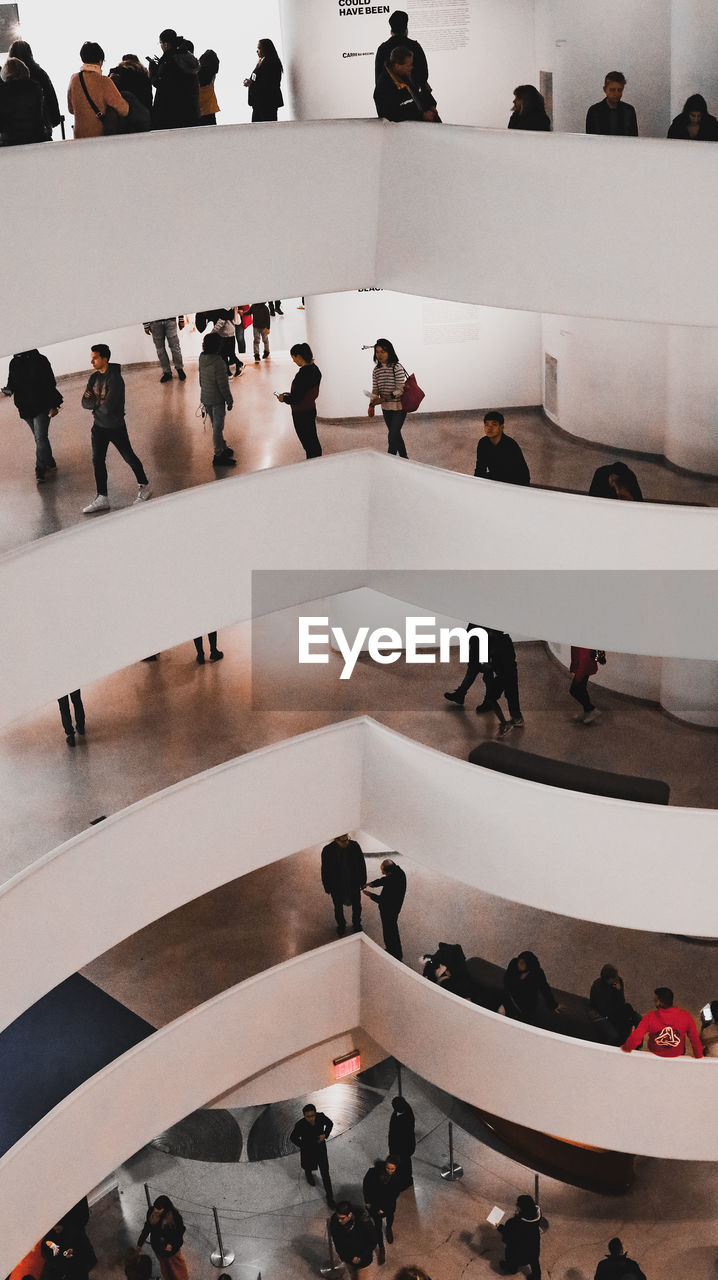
216	397
105	397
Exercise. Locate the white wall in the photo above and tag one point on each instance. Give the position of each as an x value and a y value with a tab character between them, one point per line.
694	33
463	355
510	838
154	586
231	29
580	41
584	1092
476	54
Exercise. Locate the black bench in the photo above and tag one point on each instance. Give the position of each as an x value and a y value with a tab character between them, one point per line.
572	777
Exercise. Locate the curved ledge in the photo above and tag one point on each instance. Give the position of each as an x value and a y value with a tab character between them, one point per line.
572	263
383	518
583	1092
510	838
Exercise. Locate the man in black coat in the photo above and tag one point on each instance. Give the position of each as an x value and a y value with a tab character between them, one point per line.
354	1237
607	481
617	1265
175	77
399	26
400	95
392	883
498	456
608	1003
31	382
344	877
611	116
310	1135
21	106
402	1139
381	1188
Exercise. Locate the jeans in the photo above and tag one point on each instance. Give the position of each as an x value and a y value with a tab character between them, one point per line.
579	691
264	335
305	425
64	705
394	419
215	413
40	425
102	438
167	329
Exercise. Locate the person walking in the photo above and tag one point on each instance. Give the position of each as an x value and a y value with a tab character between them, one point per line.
105	398
208	104
302	398
387	383
584	664
216	397
165	333
264	84
344	877
522	1239
354	1238
381	1190
617	1265
165	1227
402	1140
31	383
392	883
66	717
310	1135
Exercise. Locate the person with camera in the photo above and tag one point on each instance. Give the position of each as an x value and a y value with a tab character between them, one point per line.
175	77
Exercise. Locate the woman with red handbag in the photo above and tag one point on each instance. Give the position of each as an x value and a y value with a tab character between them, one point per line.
387	384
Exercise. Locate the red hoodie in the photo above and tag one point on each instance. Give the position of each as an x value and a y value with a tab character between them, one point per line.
666	1030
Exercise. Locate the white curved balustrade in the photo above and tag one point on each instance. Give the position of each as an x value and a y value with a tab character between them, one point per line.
518	840
584	1092
545	244
153	583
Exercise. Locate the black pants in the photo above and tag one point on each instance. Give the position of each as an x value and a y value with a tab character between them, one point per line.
394	419
102	438
579	691
387	1220
405	1172
474	668
339	910
390	929
323	1166
305	425
512	1265
504	678
64	705
264	113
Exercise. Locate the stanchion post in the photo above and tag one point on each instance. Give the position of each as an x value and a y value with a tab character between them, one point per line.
536	1188
148	1197
334	1267
398	1080
218	1257
452	1172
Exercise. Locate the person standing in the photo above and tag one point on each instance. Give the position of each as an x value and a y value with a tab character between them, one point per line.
522	1239
611	116
402	1139
175	77
50	105
165	1227
260	328
498	456
666	1027
31	382
381	1189
215	654
584	664
302	397
529	110
64	704
617	1265
344	877
105	397
21	106
167	332
66	1248
310	1135
399	28
264	84
215	397
387	383
89	94
208	104
392	883
354	1238
400	95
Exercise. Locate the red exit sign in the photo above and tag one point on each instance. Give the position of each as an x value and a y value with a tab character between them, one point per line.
347	1065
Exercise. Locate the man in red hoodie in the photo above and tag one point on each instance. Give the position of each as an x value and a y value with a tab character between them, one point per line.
666	1027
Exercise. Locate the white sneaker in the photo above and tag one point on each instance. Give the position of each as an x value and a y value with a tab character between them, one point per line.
590	716
143	493
100	503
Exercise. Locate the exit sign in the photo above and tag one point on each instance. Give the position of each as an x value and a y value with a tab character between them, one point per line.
347	1065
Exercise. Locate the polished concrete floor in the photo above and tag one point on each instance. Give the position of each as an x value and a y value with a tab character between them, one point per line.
177	453
276	1224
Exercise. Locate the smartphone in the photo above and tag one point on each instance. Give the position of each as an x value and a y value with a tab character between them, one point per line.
706	1014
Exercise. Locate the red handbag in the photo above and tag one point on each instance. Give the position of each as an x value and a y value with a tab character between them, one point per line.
412	395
